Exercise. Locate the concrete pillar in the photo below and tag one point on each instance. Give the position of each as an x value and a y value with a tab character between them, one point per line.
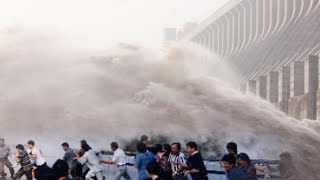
251	86
261	87
296	78
311	82
284	88
272	87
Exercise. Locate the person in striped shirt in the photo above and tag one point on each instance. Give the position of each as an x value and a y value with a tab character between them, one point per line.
26	165
176	158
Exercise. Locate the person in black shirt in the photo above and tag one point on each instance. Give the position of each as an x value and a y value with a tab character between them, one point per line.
195	166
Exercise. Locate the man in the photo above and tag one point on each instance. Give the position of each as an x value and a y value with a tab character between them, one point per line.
68	157
195	165
286	167
26	165
120	159
232	171
232	148
39	163
92	161
145	140
4	161
176	158
61	170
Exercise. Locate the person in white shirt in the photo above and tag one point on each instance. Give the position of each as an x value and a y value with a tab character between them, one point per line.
35	154
120	159
90	159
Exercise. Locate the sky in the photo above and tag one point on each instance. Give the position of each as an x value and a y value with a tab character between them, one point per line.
102	23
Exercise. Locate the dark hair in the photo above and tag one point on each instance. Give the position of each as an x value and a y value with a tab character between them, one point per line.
177	144
153	150
144	138
232	146
65	144
20	146
60	168
167	148
159	147
114	145
192	145
154	168
31	142
229	158
166	154
286	155
141	147
85	147
245	157
84	142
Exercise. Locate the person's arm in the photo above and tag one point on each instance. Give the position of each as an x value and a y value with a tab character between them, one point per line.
273	169
183	164
33	154
105	161
192	171
82	159
138	161
263	170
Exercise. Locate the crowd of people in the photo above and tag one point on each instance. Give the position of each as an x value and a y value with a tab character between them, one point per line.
153	162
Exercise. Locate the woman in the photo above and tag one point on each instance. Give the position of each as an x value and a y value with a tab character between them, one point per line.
142	159
250	169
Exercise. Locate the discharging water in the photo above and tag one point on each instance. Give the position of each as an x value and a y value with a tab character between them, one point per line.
52	92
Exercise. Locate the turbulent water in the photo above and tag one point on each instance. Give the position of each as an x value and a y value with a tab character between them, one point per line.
52	92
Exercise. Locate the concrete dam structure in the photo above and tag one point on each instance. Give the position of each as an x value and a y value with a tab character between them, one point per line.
275	45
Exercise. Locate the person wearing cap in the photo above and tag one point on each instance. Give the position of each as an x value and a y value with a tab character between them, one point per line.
232	171
120	159
26	165
4	161
68	157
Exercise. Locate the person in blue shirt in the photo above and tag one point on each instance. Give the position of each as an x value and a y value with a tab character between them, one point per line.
232	171
142	160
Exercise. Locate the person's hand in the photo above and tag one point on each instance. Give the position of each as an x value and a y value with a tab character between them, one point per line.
267	176
100	161
187	173
174	175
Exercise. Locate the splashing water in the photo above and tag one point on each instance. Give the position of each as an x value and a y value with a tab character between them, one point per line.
53	93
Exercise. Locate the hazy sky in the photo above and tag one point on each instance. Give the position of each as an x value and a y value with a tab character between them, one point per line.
105	22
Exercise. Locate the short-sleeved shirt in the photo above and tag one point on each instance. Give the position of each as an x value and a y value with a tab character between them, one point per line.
25	161
180	158
119	157
142	160
91	159
4	151
69	156
236	173
196	162
39	160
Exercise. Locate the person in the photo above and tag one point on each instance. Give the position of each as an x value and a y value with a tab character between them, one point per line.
39	163
120	159
142	159
232	148
176	158
286	167
154	171
68	157
4	161
25	163
61	170
232	171
90	159
159	150
195	166
165	167
167	148
145	140
251	169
